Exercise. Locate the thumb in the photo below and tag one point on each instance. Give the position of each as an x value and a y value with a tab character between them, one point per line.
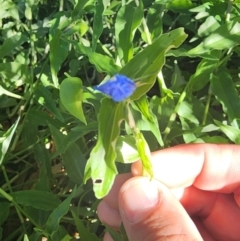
151	212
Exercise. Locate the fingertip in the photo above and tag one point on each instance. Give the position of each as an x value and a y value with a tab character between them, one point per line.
136	168
109	215
150	211
107	237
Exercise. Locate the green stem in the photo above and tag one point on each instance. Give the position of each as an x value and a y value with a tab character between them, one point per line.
174	115
161	83
146	31
207	107
229	9
142	146
19	210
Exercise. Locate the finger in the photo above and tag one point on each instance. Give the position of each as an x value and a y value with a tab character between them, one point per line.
109	215
107	237
206	166
112	198
107	209
218	212
151	212
202	229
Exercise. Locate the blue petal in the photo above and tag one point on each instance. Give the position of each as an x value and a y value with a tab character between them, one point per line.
119	87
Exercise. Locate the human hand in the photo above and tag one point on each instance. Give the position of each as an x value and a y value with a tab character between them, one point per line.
195	195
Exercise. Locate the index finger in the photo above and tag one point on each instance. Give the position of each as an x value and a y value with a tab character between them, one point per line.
212	167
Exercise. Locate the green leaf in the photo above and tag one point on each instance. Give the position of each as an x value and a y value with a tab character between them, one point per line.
74	135
208	27
225	37
145	154
73	159
202	75
78	9
42	157
126	149
179	6
128	19
5	140
9	9
4	211
44	98
103	63
163	109
53	221
102	173
37	199
97	23
185	110
14	73
110	117
148	117
154	22
58	53
71	94
224	90
85	234
146	64
101	164
74	162
116	236
188	137
231	132
11	43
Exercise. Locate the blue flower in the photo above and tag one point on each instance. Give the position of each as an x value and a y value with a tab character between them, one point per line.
119	87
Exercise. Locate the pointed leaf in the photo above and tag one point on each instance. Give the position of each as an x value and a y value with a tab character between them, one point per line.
11	43
146	64
85	234
72	157
148	117
37	199
231	132
52	224
223	88
44	98
97	23
225	37
71	94
58	53
128	19
5	140
101	164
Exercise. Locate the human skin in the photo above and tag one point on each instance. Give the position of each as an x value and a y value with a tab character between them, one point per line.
195	195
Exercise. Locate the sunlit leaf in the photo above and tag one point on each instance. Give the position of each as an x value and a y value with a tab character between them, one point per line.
101	164
225	37
11	43
149	117
71	94
44	98
128	19
58	53
145	66
5	140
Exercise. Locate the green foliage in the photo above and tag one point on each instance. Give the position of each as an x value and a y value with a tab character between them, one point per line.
61	142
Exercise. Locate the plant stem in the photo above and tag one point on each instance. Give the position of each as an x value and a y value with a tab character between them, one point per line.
229	9
174	115
19	210
207	107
